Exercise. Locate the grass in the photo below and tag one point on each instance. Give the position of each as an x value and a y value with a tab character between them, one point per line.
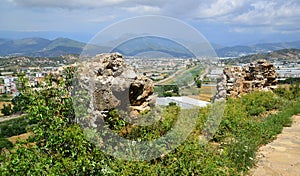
16	138
186	77
204	93
207	92
245	126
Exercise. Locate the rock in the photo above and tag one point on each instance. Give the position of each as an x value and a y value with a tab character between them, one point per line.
236	80
140	90
104	99
134	114
114	84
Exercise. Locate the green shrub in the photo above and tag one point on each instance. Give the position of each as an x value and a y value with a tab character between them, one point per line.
14	127
7	110
4	143
61	148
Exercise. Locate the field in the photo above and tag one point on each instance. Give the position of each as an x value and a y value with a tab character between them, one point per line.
204	93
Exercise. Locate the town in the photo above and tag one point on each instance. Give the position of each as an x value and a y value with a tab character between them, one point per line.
158	69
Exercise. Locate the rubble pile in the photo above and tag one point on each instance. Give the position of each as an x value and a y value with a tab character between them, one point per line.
237	80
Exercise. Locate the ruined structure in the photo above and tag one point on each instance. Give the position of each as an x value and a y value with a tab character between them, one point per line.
236	80
113	84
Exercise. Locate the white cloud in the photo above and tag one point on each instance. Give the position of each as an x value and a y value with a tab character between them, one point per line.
102	18
141	9
270	13
220	8
67	3
240	15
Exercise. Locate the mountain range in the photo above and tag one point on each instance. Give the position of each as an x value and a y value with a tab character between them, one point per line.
40	47
286	55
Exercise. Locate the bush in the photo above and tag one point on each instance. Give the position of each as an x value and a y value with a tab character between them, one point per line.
6	110
14	127
259	102
61	148
4	143
20	103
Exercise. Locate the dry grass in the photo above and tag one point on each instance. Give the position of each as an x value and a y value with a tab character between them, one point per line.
205	97
24	136
206	92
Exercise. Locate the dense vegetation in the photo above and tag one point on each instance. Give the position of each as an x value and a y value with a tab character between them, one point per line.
15	126
58	145
167	90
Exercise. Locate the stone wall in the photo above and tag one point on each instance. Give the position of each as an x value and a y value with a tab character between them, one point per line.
236	80
113	84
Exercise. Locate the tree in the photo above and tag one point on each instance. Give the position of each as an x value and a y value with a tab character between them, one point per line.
198	83
4	143
6	110
20	103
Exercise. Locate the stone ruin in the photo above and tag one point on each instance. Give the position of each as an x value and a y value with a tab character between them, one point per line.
236	80
113	84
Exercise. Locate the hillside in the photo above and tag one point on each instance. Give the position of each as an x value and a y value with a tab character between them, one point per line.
153	44
240	50
283	54
40	47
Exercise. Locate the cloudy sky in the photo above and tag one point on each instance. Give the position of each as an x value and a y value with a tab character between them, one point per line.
227	22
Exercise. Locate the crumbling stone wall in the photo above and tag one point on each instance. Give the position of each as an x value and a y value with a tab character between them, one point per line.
114	84
236	80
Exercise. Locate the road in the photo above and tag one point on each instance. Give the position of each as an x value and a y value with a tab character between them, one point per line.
202	75
179	72
169	78
14	116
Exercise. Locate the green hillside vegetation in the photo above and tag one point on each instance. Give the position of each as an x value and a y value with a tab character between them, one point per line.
64	42
40	47
151	43
58	145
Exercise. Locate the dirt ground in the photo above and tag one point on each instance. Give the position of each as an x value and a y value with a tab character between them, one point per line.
282	156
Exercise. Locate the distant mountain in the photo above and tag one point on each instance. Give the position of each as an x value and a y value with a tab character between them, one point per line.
149	45
153	45
40	47
282	55
236	51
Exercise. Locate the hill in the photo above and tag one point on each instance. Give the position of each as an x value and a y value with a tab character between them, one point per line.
153	45
236	51
283	54
149	45
40	47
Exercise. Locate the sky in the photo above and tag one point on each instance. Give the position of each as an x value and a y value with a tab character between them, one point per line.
225	22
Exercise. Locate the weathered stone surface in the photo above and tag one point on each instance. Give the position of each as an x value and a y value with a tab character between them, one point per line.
140	90
104	99
236	80
114	84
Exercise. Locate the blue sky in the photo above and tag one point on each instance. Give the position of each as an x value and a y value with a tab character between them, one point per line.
227	22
